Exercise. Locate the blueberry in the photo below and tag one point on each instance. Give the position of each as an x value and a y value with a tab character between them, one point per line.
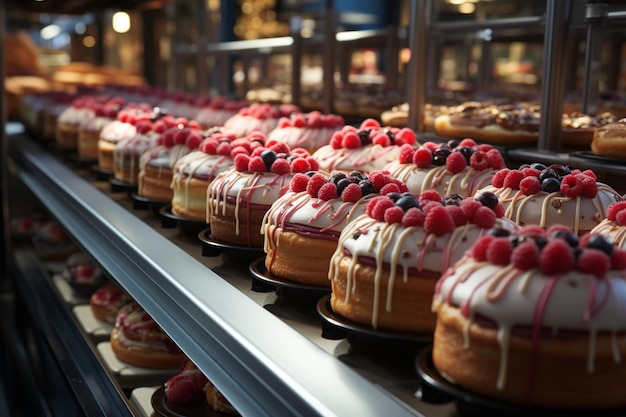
452	199
550	185
367	187
569	237
600	242
342	184
364	135
442	151
439	160
467	152
538	165
406	202
336	177
394	196
547	173
561	170
268	157
488	199
390	134
453	143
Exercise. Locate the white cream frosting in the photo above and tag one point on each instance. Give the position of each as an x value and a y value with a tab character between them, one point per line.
613	231
128	151
303	137
366	159
76	116
240	125
546	209
163	156
464	183
116	131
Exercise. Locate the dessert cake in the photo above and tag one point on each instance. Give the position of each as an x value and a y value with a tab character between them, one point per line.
387	262
610	140
263	117
534	318
367	148
302	227
554	194
217	111
458	166
71	119
107	300
613	227
89	132
238	198
52	242
310	131
83	273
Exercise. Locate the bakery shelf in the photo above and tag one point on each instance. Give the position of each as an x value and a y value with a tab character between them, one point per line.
258	352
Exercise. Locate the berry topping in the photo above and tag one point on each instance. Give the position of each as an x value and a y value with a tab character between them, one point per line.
499	251
593	261
525	256
479	250
456	162
298	182
556	258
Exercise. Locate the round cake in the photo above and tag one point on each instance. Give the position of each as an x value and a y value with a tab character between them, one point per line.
302	227
238	198
138	340
536	319
217	111
610	140
387	262
107	300
89	132
71	119
614	226
310	131
366	149
554	194
83	273
263	117
456	167
52	242
156	164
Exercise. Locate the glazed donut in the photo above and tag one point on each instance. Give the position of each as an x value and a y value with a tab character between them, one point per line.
138	340
107	300
610	140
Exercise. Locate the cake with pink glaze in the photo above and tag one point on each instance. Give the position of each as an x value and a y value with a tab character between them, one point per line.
535	319
302	227
71	119
367	148
310	131
217	111
89	132
238	198
459	167
554	194
263	117
156	164
387	261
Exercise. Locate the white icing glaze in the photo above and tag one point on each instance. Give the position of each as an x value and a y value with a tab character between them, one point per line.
612	230
303	137
116	131
366	159
76	116
210	117
465	183
127	152
240	125
546	209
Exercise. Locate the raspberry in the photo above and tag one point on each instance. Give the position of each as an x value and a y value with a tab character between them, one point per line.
179	389
431	146
159	126
352	193
278	147
144	127
590	186
381	139
378	179
499	251
313	164
281	167
469	207
479	250
455	162
614	208
483	147
369	207
531	172
620	217
406	154
571	186
257	151
530	185
456	214
429	195
498	178
413	217
499	210
524	256
351	140
300	165
467	142
180	135
381	206
618	259
589	173
423	158
495	159
193	140
315	183
336	139
224	149
241	162
593	261
405	136
438	221
369	123
513	179
167	139
556	258
479	161
531	230
284	122
257	164
389	188
238	150
394	215
328	191
484	217
298	182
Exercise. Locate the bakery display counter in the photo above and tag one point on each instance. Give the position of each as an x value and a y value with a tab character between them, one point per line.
266	349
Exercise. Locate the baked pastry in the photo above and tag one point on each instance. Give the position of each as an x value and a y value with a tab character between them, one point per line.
310	131
613	226
107	300
217	111
262	117
387	262
367	148
398	116
156	164
534	318
610	140
579	129
302	227
70	121
237	199
89	132
138	340
83	273
556	194
193	173
456	167
52	242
